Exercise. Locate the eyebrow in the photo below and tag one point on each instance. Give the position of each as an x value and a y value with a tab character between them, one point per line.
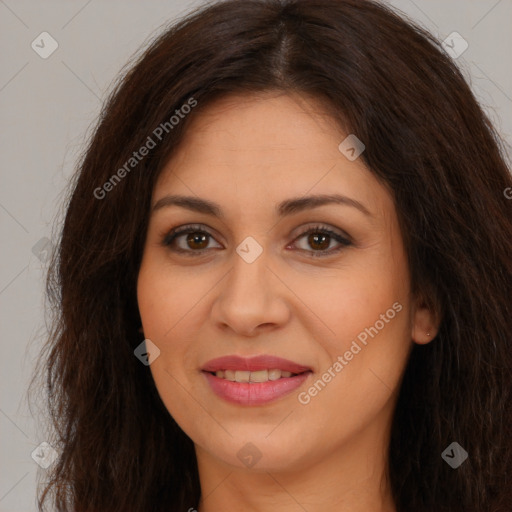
283	209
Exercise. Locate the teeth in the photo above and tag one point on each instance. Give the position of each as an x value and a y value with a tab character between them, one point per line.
274	374
242	376
258	376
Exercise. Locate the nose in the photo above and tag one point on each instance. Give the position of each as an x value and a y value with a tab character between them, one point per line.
252	299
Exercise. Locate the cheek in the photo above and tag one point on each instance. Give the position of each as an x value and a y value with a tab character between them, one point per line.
366	318
352	298
164	297
175	306
171	309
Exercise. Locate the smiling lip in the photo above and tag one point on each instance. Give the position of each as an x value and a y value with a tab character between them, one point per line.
254	393
253	364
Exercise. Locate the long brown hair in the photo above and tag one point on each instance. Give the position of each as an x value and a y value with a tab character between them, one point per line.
390	83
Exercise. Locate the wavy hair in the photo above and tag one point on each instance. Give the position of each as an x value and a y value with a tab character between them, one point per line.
384	79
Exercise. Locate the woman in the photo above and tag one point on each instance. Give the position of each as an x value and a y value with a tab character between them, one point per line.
284	276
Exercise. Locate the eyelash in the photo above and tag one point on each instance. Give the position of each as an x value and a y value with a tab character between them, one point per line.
172	235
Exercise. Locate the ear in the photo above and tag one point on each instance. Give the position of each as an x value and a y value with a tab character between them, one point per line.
425	323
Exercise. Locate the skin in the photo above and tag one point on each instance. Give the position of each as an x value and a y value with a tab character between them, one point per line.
248	153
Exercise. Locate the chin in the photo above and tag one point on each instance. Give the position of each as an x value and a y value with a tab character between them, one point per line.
256	452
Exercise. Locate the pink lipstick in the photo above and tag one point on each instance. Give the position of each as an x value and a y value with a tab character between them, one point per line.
254	381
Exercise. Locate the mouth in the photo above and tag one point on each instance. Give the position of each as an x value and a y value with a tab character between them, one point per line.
254	381
254	364
252	377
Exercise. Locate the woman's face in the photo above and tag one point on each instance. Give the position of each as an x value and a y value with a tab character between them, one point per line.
247	281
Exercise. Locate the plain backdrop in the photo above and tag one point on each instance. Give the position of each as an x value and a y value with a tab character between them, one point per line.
48	106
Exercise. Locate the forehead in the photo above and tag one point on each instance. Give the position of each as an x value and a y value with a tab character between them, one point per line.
260	129
257	149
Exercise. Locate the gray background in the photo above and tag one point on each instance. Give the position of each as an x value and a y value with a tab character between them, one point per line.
48	107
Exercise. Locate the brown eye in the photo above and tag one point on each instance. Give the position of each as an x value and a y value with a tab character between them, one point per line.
197	240
191	239
318	240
